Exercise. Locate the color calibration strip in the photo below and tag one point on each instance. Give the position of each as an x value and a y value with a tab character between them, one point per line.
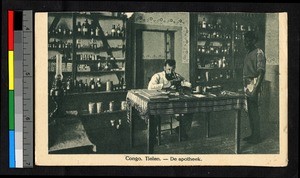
11	99
20	63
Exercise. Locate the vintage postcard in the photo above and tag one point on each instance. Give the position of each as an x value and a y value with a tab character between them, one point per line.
161	89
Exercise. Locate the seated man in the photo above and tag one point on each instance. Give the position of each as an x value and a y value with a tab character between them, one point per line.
169	79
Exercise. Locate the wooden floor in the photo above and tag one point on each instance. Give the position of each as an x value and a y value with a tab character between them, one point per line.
221	141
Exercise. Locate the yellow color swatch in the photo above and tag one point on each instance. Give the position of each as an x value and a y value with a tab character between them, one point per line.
11	80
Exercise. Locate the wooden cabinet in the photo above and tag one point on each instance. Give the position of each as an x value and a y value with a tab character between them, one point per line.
217	48
92	49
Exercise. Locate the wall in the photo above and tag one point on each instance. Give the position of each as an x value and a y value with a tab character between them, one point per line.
173	19
272	68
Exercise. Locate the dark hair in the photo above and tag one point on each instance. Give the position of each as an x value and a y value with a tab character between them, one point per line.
251	35
170	62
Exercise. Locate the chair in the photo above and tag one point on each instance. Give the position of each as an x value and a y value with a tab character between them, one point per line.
167	120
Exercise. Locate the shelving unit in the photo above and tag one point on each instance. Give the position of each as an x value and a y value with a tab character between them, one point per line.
217	49
92	46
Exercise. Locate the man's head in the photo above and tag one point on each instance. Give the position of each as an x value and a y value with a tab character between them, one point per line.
169	68
250	39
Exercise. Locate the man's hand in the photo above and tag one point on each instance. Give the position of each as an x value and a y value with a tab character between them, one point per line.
175	81
250	94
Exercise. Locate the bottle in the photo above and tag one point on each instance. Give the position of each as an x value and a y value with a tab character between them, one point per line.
84	29
75	85
224	62
69	85
119	30
78	27
92	28
92	84
99	66
124	84
98	84
236	26
97	30
113	30
123	31
78	42
86	86
204	23
80	86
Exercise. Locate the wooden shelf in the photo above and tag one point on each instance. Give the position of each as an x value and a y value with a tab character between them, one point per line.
63	61
209	68
81	36
212	55
97	93
215	39
60	49
97	49
60	36
99	72
85	113
101	61
101	16
227	30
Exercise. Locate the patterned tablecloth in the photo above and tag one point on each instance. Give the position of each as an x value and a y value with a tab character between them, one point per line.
153	102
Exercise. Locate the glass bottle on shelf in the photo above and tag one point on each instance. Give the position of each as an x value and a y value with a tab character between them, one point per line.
113	30
99	66
84	29
92	28
75	85
78	43
92	84
80	85
98	84
224	62
86	85
78	28
204	23
124	84
123	31
118	30
69	84
97	30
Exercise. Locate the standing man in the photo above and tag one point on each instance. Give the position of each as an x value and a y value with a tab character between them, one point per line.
169	79
253	75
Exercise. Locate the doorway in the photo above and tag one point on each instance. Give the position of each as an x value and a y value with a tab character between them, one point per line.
153	47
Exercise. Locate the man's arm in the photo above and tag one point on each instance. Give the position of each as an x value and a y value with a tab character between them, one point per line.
258	82
155	84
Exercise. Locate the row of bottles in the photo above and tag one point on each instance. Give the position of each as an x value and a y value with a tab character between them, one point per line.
244	27
66	56
100	67
217	25
92	44
59	44
65	67
60	30
225	50
204	24
213	35
95	44
214	76
214	63
116	31
92	29
93	85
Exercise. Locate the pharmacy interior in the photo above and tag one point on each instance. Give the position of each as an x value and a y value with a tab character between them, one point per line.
96	58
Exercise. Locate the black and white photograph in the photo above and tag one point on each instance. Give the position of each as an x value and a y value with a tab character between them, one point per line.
161	88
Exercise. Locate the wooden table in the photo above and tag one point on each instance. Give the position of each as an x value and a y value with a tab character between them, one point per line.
151	102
